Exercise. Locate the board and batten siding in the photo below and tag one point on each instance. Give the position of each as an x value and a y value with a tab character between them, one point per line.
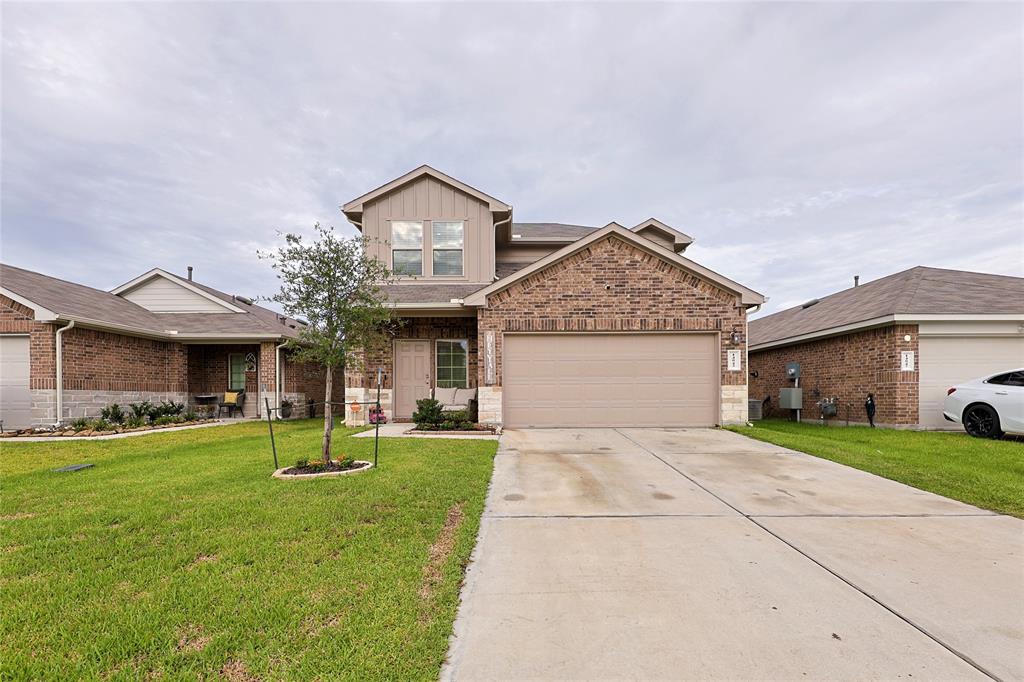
164	296
428	199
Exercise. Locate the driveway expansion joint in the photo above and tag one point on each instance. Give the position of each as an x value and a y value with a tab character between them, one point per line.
753	519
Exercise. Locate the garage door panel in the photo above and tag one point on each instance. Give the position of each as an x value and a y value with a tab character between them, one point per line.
610	380
15	396
946	361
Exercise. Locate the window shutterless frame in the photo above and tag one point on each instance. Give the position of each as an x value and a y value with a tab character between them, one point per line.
451	363
236	371
407	247
447	241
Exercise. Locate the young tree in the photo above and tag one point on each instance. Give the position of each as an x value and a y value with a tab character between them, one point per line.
332	283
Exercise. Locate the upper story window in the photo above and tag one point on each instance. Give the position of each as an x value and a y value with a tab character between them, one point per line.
407	247
446	240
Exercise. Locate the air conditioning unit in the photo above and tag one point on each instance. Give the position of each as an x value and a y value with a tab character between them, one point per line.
755	409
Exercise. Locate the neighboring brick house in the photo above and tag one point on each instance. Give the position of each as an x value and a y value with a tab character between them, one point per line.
552	324
157	337
906	338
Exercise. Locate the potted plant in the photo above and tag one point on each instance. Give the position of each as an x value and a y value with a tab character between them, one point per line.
286	409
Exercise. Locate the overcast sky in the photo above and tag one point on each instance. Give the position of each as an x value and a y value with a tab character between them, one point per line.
799	144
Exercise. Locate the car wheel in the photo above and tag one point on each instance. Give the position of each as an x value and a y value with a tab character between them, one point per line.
981	421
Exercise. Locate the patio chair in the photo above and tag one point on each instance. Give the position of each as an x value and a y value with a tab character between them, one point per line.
232	400
456	400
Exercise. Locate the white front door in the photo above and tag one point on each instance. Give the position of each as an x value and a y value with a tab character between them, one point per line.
412	376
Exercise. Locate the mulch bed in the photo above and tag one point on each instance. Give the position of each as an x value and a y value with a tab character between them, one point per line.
333	467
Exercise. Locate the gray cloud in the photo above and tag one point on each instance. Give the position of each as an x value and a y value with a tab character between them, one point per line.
800	144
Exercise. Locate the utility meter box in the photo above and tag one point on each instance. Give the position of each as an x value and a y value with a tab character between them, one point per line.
792	370
791	398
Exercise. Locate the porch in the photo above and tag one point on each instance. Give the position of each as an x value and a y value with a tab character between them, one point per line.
426	353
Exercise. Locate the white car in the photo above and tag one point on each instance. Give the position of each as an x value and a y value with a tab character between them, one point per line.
989	406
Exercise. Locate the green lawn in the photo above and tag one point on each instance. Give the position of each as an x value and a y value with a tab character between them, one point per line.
178	556
985	473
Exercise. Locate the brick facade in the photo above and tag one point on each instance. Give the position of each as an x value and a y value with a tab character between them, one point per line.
611	285
102	361
847	367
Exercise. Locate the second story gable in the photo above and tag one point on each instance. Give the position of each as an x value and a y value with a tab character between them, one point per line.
429	227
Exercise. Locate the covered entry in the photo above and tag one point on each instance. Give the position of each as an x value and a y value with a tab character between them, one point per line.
596	379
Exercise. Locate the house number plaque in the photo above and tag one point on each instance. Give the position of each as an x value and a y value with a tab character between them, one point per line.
490	371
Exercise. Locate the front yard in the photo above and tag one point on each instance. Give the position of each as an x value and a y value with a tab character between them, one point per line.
178	556
985	473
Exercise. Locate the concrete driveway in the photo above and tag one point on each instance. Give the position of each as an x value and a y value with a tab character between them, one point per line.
699	554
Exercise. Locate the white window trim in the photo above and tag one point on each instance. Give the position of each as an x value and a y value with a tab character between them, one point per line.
436	342
422	249
462	274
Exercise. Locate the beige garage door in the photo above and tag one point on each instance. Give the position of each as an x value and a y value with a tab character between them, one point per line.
946	361
15	398
610	380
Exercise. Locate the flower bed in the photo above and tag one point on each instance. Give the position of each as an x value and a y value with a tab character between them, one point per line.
107	430
311	469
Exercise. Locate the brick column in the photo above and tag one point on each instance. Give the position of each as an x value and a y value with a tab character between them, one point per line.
267	376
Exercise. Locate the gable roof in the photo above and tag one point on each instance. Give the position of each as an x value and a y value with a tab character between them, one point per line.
680	240
747	296
55	300
157	273
919	291
356	205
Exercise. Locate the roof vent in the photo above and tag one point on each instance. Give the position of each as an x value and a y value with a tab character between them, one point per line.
242	299
301	321
813	301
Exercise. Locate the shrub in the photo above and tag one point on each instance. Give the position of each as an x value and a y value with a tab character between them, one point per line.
113	414
167	419
428	413
81	424
134	422
190	416
102	425
300	463
141	410
347	461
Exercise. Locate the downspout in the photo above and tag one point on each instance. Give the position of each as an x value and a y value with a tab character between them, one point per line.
60	370
494	269
278	388
746	352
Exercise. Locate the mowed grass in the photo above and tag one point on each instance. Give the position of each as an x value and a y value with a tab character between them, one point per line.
985	473
178	556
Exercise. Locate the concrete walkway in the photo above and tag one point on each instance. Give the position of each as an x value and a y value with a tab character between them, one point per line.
401	430
701	554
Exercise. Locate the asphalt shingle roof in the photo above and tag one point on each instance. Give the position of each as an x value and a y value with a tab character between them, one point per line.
918	291
80	302
529	231
428	293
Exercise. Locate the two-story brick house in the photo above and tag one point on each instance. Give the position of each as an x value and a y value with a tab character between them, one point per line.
553	324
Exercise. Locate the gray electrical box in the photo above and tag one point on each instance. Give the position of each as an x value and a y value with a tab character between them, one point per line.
792	370
791	398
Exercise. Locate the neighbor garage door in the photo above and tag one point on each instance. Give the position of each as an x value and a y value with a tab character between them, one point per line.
946	361
15	398
610	380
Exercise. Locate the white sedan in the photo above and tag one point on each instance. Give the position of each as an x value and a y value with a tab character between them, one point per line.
989	406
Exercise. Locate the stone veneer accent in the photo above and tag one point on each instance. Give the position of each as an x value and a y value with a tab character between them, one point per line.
611	285
848	367
89	403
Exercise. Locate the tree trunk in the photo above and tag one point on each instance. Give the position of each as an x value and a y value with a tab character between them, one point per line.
328	417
